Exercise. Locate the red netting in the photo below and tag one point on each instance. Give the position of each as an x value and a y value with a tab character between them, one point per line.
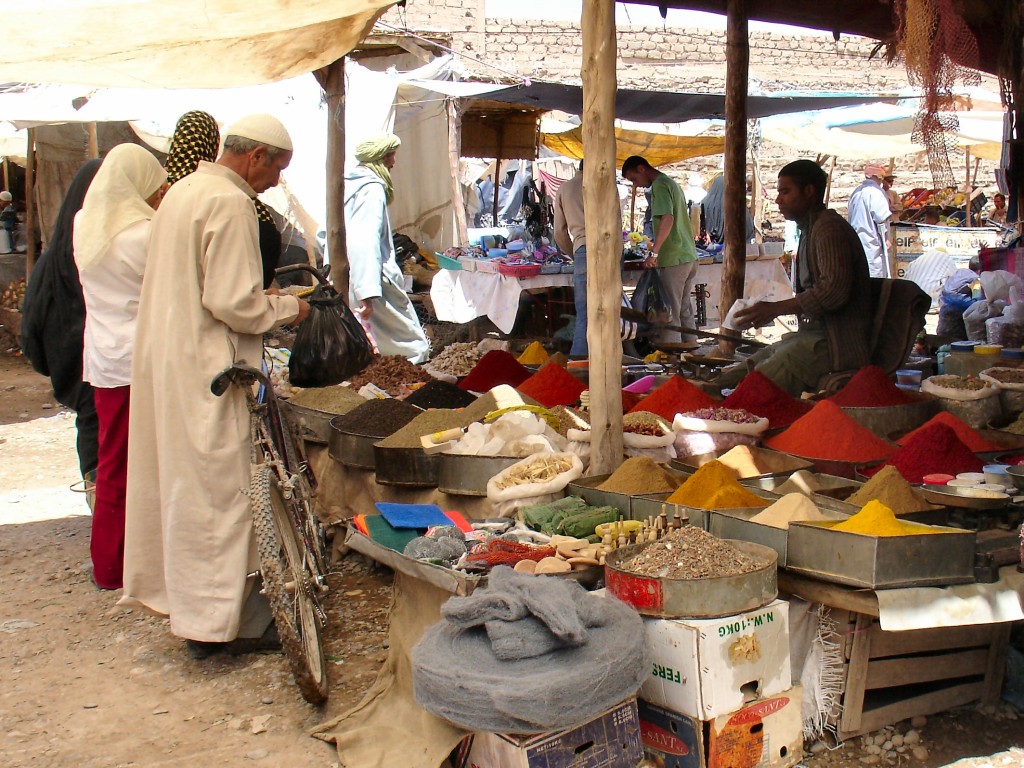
502	552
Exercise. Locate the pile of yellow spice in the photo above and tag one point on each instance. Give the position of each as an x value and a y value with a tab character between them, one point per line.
714	486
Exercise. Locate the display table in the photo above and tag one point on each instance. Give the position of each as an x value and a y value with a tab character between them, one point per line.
460	297
892	676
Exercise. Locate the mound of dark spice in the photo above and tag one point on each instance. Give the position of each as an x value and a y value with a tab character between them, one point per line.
440	394
389	373
377	418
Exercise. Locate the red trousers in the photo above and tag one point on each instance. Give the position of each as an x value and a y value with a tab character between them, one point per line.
107	546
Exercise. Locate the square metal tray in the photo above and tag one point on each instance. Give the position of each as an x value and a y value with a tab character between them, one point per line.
586	489
653	504
881	562
736	524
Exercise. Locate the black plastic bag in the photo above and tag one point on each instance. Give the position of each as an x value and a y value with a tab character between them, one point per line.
651	298
330	345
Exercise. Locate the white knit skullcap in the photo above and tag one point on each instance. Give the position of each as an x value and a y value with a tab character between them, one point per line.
266	129
6	197
873	169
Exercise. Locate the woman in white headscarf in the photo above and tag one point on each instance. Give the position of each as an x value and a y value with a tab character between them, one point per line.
376	289
109	241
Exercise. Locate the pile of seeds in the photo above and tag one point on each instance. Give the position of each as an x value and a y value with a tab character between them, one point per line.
691	553
426	423
645	423
376	418
390	373
440	394
329	399
457	359
966	383
1006	375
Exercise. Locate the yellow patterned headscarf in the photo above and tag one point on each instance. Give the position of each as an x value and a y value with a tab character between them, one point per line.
371	152
196	137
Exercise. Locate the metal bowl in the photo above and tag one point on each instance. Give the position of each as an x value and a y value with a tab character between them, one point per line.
694	598
351	450
407	467
960	497
468	475
884	420
314	426
1016	475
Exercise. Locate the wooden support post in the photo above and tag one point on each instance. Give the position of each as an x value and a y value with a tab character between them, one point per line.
737	59
497	187
332	80
756	198
454	152
604	236
7	176
632	207
967	186
828	184
30	203
93	148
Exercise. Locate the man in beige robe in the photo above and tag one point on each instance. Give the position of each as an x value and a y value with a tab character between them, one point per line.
189	541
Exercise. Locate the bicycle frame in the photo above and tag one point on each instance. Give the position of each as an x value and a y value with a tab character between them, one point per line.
275	444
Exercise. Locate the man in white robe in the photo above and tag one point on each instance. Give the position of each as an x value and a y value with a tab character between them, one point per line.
376	283
868	213
189	541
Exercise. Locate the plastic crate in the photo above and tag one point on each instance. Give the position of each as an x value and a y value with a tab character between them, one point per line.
488	265
519	270
551	269
567	269
447	262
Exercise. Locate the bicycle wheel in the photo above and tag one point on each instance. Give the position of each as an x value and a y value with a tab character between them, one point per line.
288	586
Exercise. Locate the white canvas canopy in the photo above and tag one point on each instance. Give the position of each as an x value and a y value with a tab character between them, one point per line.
183	44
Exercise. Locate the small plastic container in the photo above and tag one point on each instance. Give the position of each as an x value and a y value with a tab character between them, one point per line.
938	478
908	376
1009	353
996	474
988	349
972	477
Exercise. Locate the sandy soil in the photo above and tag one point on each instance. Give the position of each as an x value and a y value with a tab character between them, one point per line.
89	684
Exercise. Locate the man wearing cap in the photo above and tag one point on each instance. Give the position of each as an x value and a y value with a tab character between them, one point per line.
189	543
8	215
376	283
868	213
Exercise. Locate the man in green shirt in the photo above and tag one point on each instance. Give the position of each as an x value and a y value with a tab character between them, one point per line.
674	253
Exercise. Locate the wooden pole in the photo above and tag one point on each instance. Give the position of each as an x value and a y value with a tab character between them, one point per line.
632	207
30	203
756	198
7	176
332	80
604	237
497	188
967	187
828	184
737	59
454	153
93	149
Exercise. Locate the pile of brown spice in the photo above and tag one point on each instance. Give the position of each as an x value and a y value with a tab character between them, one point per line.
889	487
637	475
389	373
427	423
328	399
691	553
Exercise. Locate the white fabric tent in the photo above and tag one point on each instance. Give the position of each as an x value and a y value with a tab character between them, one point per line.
183	44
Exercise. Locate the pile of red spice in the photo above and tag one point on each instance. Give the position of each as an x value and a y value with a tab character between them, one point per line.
870	387
629	399
967	434
933	449
676	395
493	369
829	434
762	397
552	385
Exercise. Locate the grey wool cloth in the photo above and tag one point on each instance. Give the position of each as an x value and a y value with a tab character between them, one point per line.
503	658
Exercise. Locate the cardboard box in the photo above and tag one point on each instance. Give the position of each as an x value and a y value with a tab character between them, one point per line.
610	741
670	740
704	668
765	734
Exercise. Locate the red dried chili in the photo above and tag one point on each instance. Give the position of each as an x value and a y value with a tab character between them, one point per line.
871	387
934	448
763	397
677	395
493	369
967	435
828	433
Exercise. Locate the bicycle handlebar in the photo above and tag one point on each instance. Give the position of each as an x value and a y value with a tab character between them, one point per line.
240	373
321	277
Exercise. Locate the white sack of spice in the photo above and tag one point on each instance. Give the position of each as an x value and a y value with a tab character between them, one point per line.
535	480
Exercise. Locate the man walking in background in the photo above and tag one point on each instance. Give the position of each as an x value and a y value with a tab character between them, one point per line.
869	214
571	237
674	253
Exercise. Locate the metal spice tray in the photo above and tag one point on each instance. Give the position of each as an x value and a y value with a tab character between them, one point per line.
314	426
467	475
772	463
654	504
881	562
586	488
736	524
412	467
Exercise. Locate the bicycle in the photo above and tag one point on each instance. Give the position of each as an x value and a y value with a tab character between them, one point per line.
289	538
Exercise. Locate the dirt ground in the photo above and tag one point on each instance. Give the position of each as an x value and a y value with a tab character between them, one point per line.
91	685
